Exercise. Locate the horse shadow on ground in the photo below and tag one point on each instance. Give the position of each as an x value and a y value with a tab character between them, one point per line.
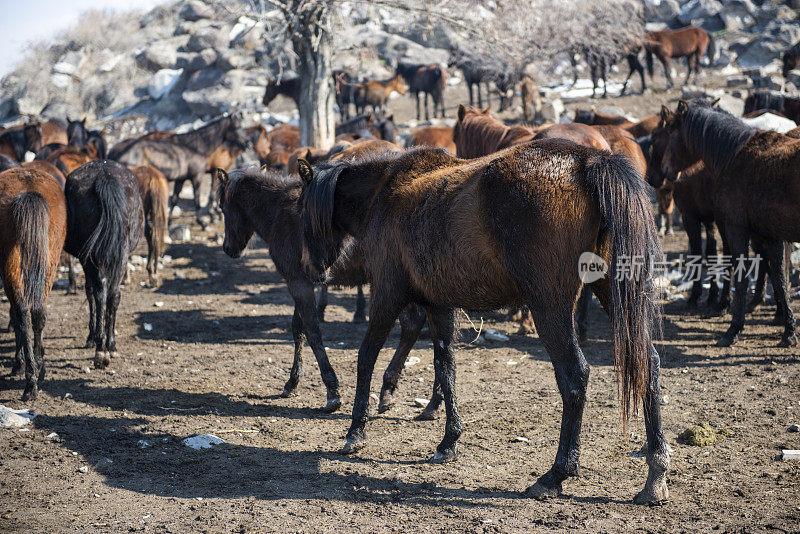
167	468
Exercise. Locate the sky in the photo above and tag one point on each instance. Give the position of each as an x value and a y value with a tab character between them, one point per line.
31	20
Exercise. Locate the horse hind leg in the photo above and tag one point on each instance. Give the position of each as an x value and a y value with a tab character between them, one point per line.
26	349
297	364
38	320
19	357
360	315
441	324
100	295
775	255
557	333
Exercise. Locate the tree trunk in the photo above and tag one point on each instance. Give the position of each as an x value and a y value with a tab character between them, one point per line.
314	51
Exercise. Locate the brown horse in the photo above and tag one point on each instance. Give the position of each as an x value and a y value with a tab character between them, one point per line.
432	136
637	129
429	79
288	87
53	132
66	158
761	100
154	191
477	133
689	42
32	230
497	231
757	192
577	133
376	93
258	137
621	141
531	99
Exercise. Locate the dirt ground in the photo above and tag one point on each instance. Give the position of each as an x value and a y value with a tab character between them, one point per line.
209	350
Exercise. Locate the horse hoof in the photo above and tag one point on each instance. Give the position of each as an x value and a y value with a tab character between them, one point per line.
788	341
541	491
30	394
447	455
386	402
332	405
89	342
359	319
101	360
726	341
352	445
426	415
112	354
288	391
651	495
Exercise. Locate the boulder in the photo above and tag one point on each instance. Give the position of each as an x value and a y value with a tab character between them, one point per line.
207	38
234	89
9	108
195	10
698	10
786	33
772	122
553	110
661	10
69	63
162	82
761	52
194	61
158	56
231	59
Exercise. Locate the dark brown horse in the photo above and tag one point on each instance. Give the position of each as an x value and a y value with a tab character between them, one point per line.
429	79
16	141
288	87
265	203
785	105
343	86
32	229
104	221
376	93
757	192
155	199
474	73
432	136
689	42
498	231
790	60
477	133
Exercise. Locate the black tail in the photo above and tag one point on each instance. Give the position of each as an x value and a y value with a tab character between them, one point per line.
624	204
32	219
106	246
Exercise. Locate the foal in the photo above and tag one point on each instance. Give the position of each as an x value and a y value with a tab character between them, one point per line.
506	229
105	219
32	229
154	191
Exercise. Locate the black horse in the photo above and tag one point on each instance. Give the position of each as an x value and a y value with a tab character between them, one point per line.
105	221
264	202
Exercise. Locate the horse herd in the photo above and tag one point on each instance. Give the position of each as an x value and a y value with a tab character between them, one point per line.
479	216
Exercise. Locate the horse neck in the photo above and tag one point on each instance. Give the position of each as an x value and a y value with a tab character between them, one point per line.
262	204
717	140
356	189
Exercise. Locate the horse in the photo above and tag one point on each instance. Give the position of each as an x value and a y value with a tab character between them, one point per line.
264	202
77	134
384	129
785	105
505	82
476	133
97	143
360	126
15	142
432	136
223	157
376	93
104	221
638	129
66	158
577	133
501	230
429	79
259	141
288	87
155	198
531	99
756	191
689	42
32	230
474	74
599	64
54	132
790	60
343	87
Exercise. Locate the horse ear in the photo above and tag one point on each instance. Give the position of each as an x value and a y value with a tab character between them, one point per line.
683	107
715	102
390	118
222	177
487	110
305	171
666	114
461	112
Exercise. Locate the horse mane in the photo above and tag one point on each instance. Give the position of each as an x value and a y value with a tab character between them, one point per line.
266	179
716	134
481	133
203	138
320	194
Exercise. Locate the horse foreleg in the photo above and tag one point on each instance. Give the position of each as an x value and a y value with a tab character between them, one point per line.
582	313
441	324
322	302
427	109
694	232
557	332
173	201
469	88
302	292
417	97
384	310
738	240
667	73
411	322
710	251
777	261
441	104
112	304
196	182
688	69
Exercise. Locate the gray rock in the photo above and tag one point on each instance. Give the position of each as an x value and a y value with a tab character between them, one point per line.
235	89
69	63
9	108
794	428
738	81
207	38
231	59
194	61
158	56
202	441
661	10
195	10
787	33
163	81
699	9
10	418
761	52
180	234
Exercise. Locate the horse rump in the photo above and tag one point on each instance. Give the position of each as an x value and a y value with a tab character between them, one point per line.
31	216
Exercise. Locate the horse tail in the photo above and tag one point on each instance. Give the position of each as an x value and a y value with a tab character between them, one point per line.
648	54
711	51
31	216
624	205
105	246
159	203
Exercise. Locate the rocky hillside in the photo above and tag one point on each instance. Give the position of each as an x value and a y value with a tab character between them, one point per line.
188	61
